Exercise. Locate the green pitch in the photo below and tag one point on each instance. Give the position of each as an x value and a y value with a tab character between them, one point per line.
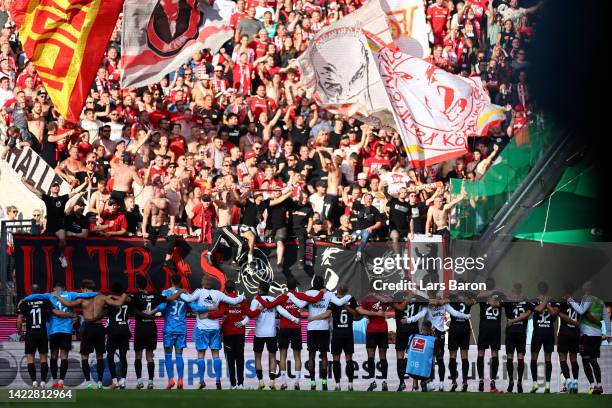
295	399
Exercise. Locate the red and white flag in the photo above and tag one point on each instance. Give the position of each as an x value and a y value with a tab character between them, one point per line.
159	36
409	27
435	111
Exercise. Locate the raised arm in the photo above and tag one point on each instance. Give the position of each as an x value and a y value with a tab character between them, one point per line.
283	197
429	221
455	201
78	189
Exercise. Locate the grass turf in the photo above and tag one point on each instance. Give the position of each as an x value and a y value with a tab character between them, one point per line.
294	399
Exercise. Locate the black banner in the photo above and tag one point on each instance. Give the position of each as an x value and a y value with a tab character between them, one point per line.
106	261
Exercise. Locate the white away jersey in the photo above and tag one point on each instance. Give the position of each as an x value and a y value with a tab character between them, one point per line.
211	299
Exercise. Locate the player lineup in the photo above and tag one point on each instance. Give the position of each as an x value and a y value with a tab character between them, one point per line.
426	328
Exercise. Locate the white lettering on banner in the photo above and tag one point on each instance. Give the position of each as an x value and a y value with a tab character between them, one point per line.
13	369
34	170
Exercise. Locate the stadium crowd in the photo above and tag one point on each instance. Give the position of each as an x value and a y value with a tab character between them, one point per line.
223	138
232	136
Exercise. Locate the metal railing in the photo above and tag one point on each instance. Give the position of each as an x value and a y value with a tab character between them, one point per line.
7	283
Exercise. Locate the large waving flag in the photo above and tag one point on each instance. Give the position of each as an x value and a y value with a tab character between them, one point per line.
66	40
435	111
159	36
338	68
409	27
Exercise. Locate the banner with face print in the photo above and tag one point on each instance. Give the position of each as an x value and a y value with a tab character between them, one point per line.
159	36
338	68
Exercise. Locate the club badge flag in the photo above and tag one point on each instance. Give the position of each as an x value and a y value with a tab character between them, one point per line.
159	36
409	28
66	41
435	110
338	68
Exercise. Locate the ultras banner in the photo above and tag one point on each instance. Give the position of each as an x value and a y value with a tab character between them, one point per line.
14	372
106	261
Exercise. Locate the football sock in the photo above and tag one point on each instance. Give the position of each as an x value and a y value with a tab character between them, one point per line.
180	366
452	367
169	365
201	368
86	369
510	369
100	368
465	368
32	371
138	368
384	368
596	370
44	371
337	369
371	368
63	369
151	370
588	371
534	371
401	368
480	367
110	358
520	369
548	368
565	369
54	368
124	363
260	374
441	368
494	367
350	371
217	366
575	369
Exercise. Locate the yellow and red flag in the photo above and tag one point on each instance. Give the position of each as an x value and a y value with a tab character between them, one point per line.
66	41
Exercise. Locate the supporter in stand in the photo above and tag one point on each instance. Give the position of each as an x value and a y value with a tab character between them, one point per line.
240	120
